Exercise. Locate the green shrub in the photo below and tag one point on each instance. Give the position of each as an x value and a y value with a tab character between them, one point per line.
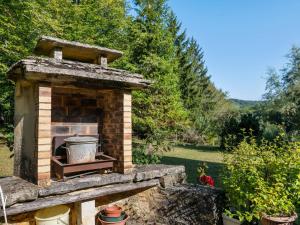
141	156
236	128
271	131
262	178
191	136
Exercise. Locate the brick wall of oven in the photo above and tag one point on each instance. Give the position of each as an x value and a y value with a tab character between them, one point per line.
75	111
117	128
92	112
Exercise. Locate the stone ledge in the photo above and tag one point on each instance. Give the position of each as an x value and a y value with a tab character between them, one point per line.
76	196
148	172
97	180
18	190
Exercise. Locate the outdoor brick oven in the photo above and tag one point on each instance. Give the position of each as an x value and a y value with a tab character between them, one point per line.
70	90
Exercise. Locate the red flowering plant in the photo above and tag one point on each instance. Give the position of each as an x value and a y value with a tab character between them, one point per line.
203	178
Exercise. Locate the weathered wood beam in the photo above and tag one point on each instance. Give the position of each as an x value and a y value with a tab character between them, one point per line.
77	196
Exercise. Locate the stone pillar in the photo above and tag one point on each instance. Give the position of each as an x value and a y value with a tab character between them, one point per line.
25	122
102	60
43	134
85	212
56	53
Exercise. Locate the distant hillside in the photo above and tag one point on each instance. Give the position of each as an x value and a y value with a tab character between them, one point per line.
244	103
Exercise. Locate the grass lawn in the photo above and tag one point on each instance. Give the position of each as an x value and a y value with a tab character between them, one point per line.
6	161
190	156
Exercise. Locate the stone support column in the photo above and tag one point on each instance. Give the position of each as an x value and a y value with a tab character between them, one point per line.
102	60
85	212
57	53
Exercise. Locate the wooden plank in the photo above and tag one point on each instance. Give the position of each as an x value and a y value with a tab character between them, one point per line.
77	196
60	169
87	167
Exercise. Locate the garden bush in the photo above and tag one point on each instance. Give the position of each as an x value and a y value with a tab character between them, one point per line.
272	131
262	178
236	128
140	155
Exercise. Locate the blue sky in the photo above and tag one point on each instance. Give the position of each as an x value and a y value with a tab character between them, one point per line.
241	39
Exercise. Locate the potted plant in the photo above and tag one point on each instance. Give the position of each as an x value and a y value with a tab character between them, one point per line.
262	181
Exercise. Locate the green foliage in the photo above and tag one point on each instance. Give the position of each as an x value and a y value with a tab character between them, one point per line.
235	128
283	94
158	111
245	104
202	168
101	23
182	96
205	104
21	22
141	156
263	178
272	131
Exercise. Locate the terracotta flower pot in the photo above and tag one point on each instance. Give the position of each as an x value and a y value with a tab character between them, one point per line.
103	217
274	220
123	222
113	211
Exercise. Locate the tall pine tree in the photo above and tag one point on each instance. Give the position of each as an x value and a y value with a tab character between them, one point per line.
158	111
203	101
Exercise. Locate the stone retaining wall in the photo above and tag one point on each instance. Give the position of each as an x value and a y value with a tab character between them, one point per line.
177	205
151	195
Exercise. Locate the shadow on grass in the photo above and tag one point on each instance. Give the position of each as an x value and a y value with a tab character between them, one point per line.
214	169
202	148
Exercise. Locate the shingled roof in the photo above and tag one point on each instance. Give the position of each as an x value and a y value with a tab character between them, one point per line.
68	72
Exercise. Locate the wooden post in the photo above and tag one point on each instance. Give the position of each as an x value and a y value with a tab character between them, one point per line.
85	212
